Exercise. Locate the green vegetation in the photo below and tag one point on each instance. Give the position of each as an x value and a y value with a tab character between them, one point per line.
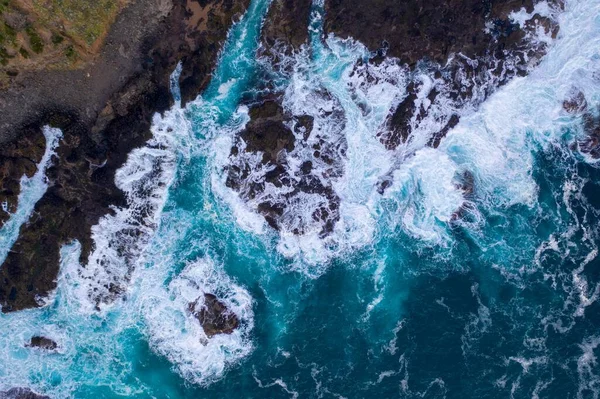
71	53
38	34
4	57
87	21
36	42
4	4
57	39
7	34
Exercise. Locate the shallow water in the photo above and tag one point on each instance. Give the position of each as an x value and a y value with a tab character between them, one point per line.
399	301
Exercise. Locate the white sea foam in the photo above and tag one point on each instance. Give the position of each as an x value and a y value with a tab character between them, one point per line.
120	239
32	190
491	143
174	332
587	368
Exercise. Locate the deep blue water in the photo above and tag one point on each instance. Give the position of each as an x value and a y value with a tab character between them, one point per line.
399	301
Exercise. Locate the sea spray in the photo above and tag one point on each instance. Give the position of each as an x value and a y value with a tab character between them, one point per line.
32	190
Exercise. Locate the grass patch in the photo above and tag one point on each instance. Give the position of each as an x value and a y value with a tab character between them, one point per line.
4	57
57	39
71	53
36	42
85	20
7	34
4	4
24	53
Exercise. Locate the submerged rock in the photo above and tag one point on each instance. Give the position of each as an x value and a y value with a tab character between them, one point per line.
466	184
590	144
42	343
21	393
214	316
575	102
295	199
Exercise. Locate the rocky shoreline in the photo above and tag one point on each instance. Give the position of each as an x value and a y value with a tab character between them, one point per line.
455	54
104	111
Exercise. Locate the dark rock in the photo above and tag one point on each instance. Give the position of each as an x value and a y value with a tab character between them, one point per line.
399	126
18	158
575	103
268	133
286	26
214	316
304	124
590	144
431	29
42	343
437	137
21	393
466	183
442	39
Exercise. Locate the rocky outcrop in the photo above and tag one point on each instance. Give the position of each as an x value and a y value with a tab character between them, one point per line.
576	105
277	136
214	316
42	343
286	25
470	48
18	158
102	128
455	53
21	393
429	29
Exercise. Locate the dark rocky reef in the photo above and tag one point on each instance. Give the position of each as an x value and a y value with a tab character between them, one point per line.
470	47
455	53
18	158
42	343
100	129
286	25
214	316
21	393
466	184
277	136
428	29
576	105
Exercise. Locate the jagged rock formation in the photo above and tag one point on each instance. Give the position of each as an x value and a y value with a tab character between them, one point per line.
455	53
214	316
42	343
21	393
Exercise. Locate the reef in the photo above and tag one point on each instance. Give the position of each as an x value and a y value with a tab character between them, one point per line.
42	343
21	393
105	110
214	316
454	55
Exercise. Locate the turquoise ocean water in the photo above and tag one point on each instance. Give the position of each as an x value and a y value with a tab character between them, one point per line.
399	301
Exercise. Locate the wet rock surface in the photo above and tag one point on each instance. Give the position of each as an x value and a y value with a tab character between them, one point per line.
590	144
427	29
455	54
286	26
470	48
214	316
96	143
280	166
21	393
576	105
42	343
18	158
